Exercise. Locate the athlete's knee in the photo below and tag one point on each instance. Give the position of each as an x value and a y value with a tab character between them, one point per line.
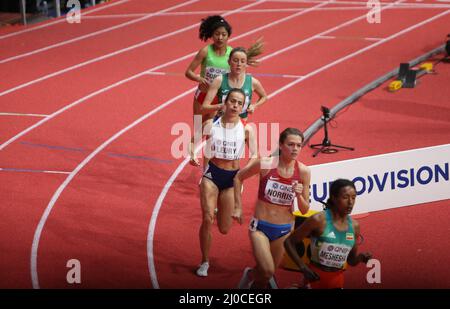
224	229
267	273
208	220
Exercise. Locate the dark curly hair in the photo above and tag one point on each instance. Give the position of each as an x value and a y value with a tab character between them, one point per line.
335	189
210	24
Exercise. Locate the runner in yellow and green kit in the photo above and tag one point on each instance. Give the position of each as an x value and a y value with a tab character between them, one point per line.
214	61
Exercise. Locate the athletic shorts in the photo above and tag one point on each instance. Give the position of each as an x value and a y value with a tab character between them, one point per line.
200	97
272	231
223	179
328	279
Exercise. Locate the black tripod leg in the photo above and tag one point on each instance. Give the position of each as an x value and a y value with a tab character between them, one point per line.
314	146
343	147
318	150
326	145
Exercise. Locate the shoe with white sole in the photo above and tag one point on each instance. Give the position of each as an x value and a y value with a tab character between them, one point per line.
245	283
273	283
202	271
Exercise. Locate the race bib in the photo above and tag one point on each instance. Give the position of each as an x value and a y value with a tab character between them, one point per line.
226	150
333	255
279	193
212	72
253	224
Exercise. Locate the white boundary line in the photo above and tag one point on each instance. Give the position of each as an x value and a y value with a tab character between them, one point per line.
360	51
85	36
329	37
254	74
373	39
62	19
60	111
353	2
289	76
2	146
349	8
25	170
347	23
175	174
203	13
117	52
20	114
130	15
48	209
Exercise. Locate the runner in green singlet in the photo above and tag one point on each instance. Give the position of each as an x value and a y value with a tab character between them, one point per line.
333	239
236	78
213	60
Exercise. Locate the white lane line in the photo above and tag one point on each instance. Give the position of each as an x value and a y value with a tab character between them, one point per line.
163	73
328	37
62	19
20	114
115	53
354	2
48	209
26	170
89	35
17	136
360	51
253	74
347	23
152	224
60	111
175	174
373	39
202	13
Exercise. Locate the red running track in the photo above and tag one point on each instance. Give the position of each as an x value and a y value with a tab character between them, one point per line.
112	179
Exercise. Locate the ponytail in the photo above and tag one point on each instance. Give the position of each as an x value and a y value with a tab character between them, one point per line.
254	51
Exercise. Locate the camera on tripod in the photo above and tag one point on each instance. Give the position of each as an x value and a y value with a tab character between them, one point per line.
326	146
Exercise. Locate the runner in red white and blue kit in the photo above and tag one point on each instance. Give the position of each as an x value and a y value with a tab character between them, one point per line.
283	179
